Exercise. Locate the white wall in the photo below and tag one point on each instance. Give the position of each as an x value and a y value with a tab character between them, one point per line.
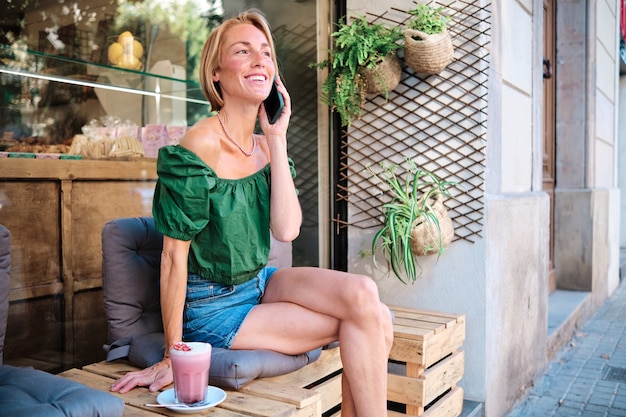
516	75
622	156
606	50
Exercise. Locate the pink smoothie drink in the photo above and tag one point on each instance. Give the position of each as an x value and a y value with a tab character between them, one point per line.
190	365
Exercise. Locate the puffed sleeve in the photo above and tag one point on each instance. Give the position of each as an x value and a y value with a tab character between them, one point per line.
292	168
181	198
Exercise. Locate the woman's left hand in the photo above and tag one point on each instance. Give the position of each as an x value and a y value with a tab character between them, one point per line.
280	127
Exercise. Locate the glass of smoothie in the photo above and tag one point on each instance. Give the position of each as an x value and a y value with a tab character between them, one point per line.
190	365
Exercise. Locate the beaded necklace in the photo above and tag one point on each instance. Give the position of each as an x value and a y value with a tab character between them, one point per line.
230	138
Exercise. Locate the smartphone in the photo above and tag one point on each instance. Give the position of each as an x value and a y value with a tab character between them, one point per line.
274	104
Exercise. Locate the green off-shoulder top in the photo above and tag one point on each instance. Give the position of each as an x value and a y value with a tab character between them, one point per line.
227	221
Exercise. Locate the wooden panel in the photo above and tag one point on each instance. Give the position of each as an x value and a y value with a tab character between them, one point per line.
34	334
90	327
240	402
331	392
304	402
135	399
424	337
54	169
18	294
405	390
308	411
93	204
32	216
549	125
442	376
113	370
297	396
329	362
444	343
450	405
55	210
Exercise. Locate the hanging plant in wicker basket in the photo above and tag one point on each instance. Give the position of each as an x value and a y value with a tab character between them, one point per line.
363	57
384	76
434	234
415	221
427	43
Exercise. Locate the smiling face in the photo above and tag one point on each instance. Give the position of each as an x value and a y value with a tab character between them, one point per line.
219	42
246	67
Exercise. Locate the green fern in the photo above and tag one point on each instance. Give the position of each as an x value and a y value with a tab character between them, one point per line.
357	45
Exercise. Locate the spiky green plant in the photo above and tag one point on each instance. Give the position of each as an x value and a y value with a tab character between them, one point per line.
357	45
412	199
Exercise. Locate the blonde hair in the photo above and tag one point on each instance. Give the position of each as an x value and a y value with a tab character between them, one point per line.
211	53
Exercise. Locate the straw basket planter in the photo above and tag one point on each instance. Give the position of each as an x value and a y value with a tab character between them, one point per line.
384	76
428	237
359	47
415	221
427	54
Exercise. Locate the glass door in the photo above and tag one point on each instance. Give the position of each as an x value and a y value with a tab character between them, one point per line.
294	25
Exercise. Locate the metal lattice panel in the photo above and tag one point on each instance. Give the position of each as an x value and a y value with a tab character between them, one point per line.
438	120
297	47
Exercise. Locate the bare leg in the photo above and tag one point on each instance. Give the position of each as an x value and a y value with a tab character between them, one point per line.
305	308
365	380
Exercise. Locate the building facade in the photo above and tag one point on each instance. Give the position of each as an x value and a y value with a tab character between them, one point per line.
526	118
551	198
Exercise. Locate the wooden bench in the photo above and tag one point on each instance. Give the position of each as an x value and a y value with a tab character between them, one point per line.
425	365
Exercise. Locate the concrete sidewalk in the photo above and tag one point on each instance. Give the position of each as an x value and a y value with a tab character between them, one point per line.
587	377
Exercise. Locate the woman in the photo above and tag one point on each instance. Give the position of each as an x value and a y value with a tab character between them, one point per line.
219	193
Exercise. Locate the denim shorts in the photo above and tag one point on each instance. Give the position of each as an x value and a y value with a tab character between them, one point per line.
214	312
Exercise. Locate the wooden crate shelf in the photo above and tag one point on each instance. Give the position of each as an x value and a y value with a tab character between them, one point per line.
426	363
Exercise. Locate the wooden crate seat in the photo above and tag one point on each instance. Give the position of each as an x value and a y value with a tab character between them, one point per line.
425	365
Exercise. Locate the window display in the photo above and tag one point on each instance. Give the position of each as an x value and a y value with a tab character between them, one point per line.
64	65
66	93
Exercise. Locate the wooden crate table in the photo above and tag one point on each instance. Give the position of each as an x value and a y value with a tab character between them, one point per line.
425	365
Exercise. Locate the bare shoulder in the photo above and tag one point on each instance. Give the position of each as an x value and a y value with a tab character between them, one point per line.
203	140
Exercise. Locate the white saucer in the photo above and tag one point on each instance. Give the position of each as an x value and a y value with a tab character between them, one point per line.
214	396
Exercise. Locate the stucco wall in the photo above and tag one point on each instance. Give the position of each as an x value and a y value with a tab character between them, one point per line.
604	143
517	292
512	59
622	156
518	211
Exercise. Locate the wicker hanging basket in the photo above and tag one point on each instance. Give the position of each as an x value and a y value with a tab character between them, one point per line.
384	77
427	54
425	238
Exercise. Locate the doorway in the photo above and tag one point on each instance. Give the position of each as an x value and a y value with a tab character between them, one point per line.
549	114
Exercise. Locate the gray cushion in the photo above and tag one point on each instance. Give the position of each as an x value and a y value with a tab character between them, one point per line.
26	392
131	254
230	369
131	249
5	282
235	368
